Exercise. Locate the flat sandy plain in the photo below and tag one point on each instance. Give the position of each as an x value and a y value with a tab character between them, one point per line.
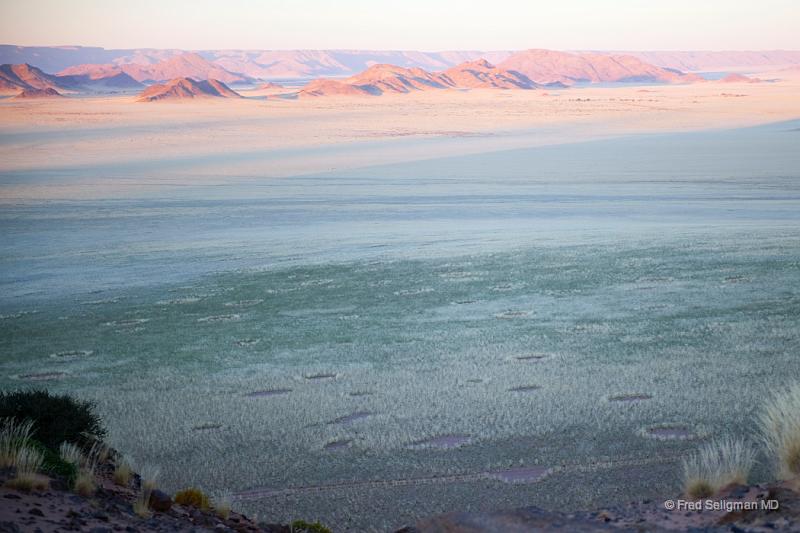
213	142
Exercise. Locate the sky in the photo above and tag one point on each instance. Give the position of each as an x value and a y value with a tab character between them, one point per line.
406	24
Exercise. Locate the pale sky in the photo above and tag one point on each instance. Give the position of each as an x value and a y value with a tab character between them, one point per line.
405	24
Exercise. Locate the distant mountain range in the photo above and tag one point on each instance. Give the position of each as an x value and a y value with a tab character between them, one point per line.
187	64
240	65
529	69
173	74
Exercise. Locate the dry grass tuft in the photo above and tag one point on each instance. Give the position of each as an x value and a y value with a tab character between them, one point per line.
141	505
717	464
27	464
192	497
71	454
149	477
779	423
14	437
222	503
122	472
84	482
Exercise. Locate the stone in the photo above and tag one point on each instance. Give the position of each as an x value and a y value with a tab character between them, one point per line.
160	501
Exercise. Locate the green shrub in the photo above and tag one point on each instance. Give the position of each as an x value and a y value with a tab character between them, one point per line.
192	497
54	465
301	526
56	418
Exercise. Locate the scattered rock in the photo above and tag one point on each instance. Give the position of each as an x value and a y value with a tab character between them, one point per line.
160	501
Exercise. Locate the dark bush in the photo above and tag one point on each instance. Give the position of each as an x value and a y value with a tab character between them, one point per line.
57	418
54	465
306	527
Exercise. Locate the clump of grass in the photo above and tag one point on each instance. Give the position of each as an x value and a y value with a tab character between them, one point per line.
71	454
14	436
222	504
148	475
98	453
84	482
779	422
301	526
148	481
141	505
27	463
716	465
58	418
192	497
122	472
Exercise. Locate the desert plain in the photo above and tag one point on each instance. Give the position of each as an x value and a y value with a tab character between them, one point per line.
206	142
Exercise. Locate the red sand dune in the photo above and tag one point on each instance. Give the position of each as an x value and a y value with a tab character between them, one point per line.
548	66
188	65
187	88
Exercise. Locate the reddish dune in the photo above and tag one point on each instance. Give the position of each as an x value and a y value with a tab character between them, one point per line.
32	93
188	65
187	88
16	78
482	74
323	87
548	66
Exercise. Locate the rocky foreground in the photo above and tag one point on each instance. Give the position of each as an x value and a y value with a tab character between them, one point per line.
740	510
110	508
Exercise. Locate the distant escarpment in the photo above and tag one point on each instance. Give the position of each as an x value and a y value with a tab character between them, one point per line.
549	66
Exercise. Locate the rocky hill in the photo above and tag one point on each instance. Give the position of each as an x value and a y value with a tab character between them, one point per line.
549	66
17	78
482	74
187	89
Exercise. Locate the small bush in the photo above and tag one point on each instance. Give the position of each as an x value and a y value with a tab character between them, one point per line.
301	526
57	418
192	497
779	423
716	465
